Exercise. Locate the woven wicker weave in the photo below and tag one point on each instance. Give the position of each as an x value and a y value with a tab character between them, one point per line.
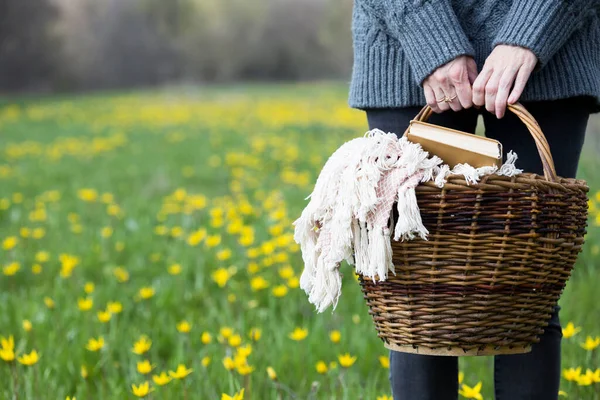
497	258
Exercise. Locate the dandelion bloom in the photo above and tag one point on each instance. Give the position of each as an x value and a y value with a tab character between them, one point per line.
235	340
237	396
346	360
384	397
85	304
144	367
321	367
226	332
255	334
258	283
10	242
161	379
104	316
142	390
205	361
298	334
471	392
29	359
385	361
228	363
11	269
142	345
114	307
184	327
181	372
146	292
570	330
221	276
49	302
280	291
95	344
27	325
174	269
205	338
335	336
272	374
591	343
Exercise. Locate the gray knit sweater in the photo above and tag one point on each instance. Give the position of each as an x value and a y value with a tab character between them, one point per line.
398	43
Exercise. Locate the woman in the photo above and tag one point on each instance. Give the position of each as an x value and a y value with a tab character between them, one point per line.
459	57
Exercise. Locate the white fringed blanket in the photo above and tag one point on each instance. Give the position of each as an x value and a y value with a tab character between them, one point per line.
349	211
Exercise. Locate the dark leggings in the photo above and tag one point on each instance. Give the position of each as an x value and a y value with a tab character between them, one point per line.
534	375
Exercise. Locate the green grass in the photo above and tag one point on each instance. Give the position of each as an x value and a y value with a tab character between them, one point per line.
253	152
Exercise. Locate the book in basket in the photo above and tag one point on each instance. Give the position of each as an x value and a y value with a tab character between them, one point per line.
454	146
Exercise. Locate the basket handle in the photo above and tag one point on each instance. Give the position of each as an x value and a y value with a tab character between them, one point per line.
534	128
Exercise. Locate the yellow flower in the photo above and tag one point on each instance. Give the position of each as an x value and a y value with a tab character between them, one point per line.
224	254
38	233
88	287
85	304
160	230
146	292
83	371
221	276
196	237
104	316
205	361
384	397
121	274
7	343
71	398
471	393
226	332
10	242
161	379
184	327
591	343
335	336
25	232
27	325
572	374
236	396
298	334
384	361
213	240
142	345
255	334
259	283
87	194
280	291
29	359
181	372
36	269
144	367
205	338
321	367
95	344
346	360
174	269
244	351
293	282
11	269
461	376
142	389
42	256
49	302
562	393
228	363
114	307
570	330
235	340
272	374
245	369
7	354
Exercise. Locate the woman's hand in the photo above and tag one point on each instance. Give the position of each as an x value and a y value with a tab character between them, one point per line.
504	66
453	80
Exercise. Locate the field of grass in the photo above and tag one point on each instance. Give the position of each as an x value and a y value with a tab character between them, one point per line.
166	215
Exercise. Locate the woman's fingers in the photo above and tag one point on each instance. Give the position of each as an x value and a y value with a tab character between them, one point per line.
430	97
439	95
506	81
480	84
520	81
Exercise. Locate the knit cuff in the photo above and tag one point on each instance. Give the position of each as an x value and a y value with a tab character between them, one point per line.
431	36
541	26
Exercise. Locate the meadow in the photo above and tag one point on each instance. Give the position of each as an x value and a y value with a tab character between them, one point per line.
146	250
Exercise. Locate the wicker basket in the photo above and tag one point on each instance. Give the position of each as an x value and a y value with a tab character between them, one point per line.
497	258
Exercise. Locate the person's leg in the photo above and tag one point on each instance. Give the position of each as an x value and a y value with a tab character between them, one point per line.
536	375
413	376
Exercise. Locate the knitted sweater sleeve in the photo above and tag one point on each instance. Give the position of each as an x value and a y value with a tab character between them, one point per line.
543	26
428	31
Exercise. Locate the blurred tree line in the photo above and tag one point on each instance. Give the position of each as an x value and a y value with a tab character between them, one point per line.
90	44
